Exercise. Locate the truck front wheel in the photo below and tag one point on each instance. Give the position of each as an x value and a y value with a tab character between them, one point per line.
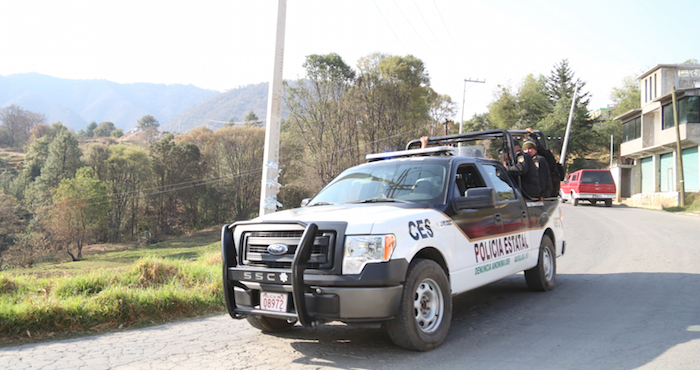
426	308
269	324
542	277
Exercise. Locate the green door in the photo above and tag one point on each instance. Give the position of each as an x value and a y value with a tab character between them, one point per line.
690	169
648	175
666	167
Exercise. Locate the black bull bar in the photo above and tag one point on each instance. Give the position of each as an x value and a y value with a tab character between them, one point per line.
299	264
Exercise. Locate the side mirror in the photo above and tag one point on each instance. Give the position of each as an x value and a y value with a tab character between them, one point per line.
476	198
305	201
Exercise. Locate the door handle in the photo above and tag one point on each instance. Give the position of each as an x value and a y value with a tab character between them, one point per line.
498	220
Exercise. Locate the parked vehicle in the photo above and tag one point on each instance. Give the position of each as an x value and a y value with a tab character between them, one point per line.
391	241
591	185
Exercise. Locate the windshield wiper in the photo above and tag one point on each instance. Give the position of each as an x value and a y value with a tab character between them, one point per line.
381	200
320	204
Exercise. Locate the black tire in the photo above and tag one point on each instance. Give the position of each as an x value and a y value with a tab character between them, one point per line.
269	324
543	276
608	202
575	200
426	308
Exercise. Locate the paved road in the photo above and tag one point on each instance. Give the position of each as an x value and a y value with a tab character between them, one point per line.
627	297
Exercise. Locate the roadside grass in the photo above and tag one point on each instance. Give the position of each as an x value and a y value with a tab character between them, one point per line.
110	290
692	204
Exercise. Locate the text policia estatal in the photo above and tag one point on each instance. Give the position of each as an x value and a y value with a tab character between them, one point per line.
498	247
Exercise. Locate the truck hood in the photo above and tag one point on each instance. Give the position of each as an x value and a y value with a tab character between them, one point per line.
360	217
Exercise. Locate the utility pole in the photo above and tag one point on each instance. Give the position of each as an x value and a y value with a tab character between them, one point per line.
562	159
270	171
464	98
679	152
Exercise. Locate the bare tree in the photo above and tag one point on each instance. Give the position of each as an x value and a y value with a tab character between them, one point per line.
17	123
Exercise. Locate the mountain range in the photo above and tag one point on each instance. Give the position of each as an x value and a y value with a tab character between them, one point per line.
180	108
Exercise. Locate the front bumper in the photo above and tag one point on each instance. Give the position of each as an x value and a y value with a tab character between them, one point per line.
313	295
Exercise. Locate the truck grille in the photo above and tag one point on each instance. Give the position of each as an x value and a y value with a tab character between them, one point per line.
254	249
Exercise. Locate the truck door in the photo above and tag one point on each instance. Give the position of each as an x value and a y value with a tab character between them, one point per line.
474	223
510	211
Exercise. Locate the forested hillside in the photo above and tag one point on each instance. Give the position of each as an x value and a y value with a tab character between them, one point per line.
231	106
76	103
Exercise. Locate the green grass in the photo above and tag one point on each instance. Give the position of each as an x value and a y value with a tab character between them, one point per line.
112	290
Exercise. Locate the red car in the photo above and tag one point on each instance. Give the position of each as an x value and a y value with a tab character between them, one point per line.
590	185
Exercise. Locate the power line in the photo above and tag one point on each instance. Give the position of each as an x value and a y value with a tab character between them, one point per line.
445	24
392	30
430	29
410	24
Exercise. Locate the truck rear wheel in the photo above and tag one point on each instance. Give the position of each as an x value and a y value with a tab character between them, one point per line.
542	277
426	308
269	324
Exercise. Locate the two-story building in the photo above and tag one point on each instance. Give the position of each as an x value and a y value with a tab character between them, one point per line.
650	137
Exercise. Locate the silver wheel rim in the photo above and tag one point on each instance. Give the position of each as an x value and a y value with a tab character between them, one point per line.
428	307
547	264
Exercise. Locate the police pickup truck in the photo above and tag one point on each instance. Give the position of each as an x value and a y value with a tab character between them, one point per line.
392	240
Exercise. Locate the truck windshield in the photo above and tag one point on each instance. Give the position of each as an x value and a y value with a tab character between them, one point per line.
407	181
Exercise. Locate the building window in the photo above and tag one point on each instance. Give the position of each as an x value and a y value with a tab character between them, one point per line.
655	86
646	90
688	111
632	129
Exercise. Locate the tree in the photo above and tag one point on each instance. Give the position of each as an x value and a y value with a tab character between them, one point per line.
391	96
62	162
17	123
627	96
10	222
79	209
176	169
104	129
127	171
441	108
251	119
117	133
234	155
320	120
560	89
504	111
147	121
90	130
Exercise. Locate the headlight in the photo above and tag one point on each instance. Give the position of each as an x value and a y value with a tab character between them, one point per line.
363	249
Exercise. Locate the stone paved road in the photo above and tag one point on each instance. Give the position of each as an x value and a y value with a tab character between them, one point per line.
627	297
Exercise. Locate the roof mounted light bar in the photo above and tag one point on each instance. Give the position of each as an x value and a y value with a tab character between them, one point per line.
432	151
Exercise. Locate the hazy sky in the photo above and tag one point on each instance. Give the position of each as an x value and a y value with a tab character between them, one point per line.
224	44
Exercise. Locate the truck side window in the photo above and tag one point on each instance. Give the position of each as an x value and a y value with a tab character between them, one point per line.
500	182
468	177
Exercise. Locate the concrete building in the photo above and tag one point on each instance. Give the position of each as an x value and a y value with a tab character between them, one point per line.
650	137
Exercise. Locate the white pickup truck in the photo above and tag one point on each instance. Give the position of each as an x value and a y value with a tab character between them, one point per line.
392	241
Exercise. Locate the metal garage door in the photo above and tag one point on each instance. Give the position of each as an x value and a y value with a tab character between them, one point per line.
690	169
648	175
666	168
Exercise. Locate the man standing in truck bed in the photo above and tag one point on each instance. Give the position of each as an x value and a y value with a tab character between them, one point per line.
523	168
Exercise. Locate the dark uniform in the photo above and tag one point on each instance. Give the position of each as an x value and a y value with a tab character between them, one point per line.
525	170
544	175
554	168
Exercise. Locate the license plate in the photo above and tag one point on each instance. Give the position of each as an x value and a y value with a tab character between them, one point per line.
273	301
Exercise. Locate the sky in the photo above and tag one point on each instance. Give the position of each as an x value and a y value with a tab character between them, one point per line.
225	44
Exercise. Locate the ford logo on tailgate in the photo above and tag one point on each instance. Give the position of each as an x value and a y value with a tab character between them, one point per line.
277	249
